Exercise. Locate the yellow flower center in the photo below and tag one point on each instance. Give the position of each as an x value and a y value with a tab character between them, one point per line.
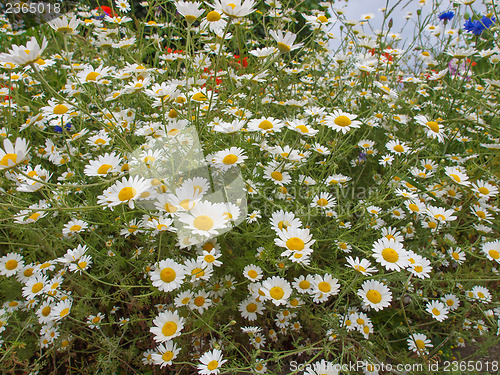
213	16
199	301
75	228
92	76
167	275
449	302
322	202
251	307
198	272
8	157
302	128
64	312
208	246
230	159
266	125
494	254
418	268
11	264
212	365
203	222
413	207
60	109
324	287
436	311
190	18
455	177
420	344
28	272
322	19
342	121
169	328
46	311
295	244
374	296
304	284
398	148
186	204
360	268
167	356
483	190
277	292
126	193
283	47
433	125
209	258
36	287
103	169
96	320
199	97
252	274
390	255
277	175
82	265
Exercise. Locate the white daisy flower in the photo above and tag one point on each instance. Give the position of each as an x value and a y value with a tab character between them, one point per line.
124	191
11	264
226	159
342	121
418	343
277	289
168	275
167	325
324	287
253	272
457	176
285	41
363	266
211	361
205	219
13	154
375	294
61	309
250	307
35	286
234	8
451	301
492	250
165	353
390	254
437	309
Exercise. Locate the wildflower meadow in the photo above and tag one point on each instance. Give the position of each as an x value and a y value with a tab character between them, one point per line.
249	187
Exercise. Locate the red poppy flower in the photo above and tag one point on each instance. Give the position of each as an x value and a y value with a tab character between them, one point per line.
106	10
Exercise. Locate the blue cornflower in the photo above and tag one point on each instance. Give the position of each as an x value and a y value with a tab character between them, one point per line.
446	16
474	27
487	22
59	129
477	27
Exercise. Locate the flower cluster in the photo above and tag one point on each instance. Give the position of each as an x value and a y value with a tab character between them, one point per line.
216	189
